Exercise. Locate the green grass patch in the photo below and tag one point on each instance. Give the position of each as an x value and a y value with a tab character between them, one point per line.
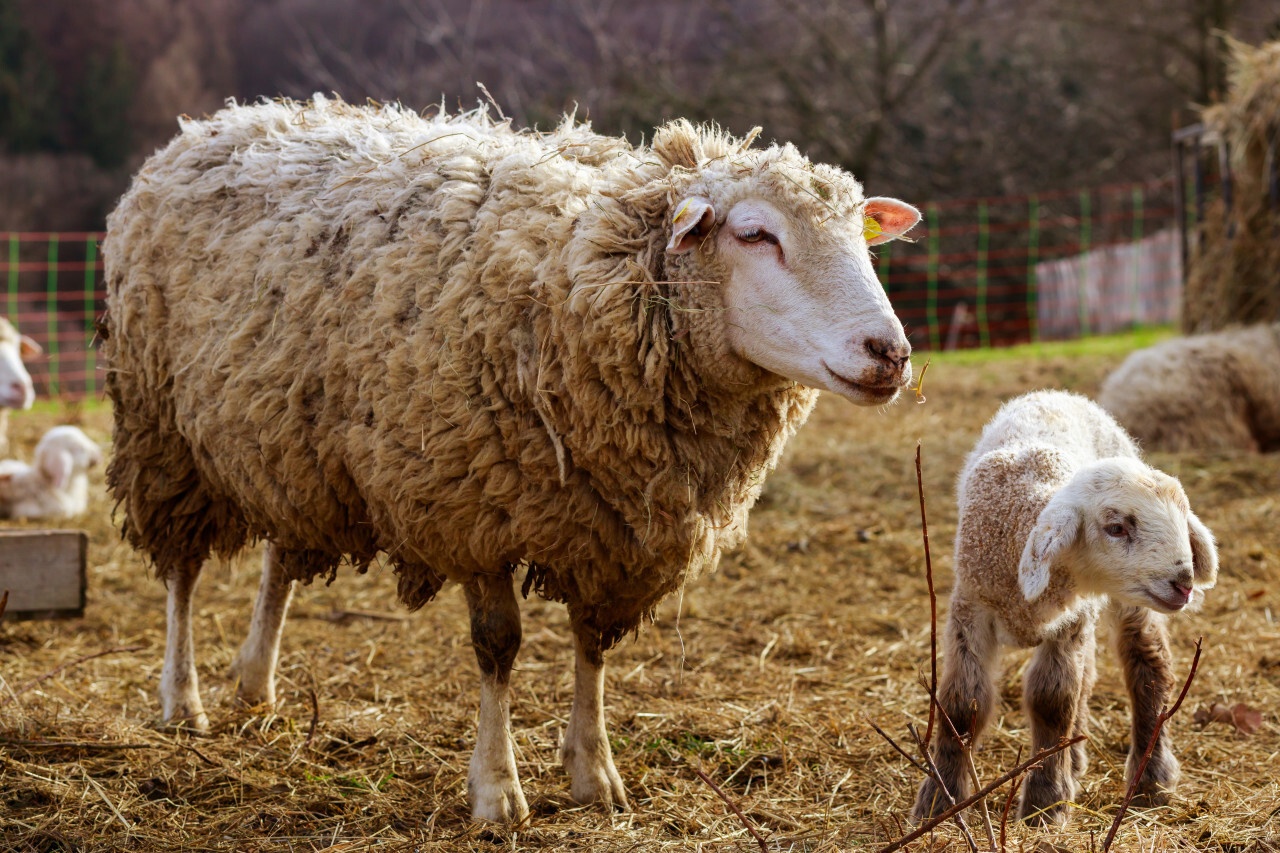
1117	344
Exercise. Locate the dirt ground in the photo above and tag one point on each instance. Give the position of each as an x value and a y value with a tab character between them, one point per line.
764	675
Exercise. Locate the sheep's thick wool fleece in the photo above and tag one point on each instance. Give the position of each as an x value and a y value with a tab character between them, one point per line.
1031	448
354	329
1202	392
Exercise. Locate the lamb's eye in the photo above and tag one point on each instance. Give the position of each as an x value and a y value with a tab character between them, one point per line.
757	235
1116	530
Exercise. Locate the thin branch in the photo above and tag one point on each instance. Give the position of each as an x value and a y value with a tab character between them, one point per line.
933	599
916	764
932	823
936	774
4	602
1008	801
764	848
1151	744
51	673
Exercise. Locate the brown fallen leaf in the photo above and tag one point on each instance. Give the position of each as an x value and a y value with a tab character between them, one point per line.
1245	719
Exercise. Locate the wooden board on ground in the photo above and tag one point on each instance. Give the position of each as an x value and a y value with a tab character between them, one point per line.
44	572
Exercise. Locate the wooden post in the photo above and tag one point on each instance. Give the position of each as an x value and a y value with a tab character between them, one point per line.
44	572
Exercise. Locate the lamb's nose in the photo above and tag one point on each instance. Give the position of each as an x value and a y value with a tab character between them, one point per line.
1180	591
895	354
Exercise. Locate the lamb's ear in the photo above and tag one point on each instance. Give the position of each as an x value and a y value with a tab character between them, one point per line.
887	219
28	348
1055	531
57	466
692	221
1204	552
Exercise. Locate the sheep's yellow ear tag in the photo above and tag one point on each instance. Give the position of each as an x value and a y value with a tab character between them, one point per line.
871	230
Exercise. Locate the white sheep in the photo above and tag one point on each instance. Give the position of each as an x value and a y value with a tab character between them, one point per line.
16	389
1218	391
56	484
1060	520
347	330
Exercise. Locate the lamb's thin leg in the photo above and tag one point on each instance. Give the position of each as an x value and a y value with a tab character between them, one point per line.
255	666
1051	694
967	692
586	753
1142	644
1079	751
495	633
179	684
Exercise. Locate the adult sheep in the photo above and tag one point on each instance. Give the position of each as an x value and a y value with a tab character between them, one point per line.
1218	391
350	330
16	388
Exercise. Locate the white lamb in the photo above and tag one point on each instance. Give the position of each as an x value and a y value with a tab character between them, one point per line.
56	485
1060	520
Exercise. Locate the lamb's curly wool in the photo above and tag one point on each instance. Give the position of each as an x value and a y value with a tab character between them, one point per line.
352	330
1218	391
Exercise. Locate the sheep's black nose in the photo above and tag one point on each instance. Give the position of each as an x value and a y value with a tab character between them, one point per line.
891	353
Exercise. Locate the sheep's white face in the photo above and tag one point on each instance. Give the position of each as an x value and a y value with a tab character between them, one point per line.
16	390
1130	534
803	301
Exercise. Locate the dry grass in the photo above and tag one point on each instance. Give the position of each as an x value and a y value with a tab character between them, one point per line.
762	676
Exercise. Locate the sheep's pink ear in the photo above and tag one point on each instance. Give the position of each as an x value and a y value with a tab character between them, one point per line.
693	220
57	466
1055	531
1204	552
889	219
28	348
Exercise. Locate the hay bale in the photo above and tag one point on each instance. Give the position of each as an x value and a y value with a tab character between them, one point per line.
1234	274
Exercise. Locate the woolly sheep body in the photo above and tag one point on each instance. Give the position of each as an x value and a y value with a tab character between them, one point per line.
1218	391
354	330
1050	470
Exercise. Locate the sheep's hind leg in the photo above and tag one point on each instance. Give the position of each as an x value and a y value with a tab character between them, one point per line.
179	684
967	692
1142	644
586	753
254	668
1051	695
492	784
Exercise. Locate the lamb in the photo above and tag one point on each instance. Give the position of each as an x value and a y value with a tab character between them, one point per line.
1061	521
1218	391
16	389
350	330
56	484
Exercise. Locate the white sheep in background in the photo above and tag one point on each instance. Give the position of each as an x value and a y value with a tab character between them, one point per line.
1059	521
56	483
16	390
1218	391
348	330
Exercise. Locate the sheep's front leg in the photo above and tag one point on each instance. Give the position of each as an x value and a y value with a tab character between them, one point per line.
179	683
255	666
1142	644
967	693
586	753
492	783
1051	695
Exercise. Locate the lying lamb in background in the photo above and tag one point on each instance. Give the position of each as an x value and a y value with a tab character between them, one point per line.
1060	521
1219	391
16	389
56	484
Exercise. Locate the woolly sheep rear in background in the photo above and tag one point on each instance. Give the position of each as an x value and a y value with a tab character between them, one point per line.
16	390
1219	391
1060	520
351	330
56	483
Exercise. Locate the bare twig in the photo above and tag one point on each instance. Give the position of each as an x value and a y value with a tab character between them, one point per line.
916	764
73	744
1146	756
933	599
51	673
933	822
936	775
4	602
315	719
764	848
1008	801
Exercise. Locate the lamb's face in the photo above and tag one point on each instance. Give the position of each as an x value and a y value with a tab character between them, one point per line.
16	389
802	299
1139	542
65	451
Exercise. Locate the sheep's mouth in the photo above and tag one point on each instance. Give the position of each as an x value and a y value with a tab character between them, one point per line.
1171	601
862	392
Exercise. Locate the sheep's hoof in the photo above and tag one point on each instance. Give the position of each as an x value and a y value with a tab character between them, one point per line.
1051	816
184	720
497	801
930	802
603	786
1149	796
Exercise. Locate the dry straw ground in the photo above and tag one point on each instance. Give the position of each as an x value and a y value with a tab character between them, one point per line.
764	676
